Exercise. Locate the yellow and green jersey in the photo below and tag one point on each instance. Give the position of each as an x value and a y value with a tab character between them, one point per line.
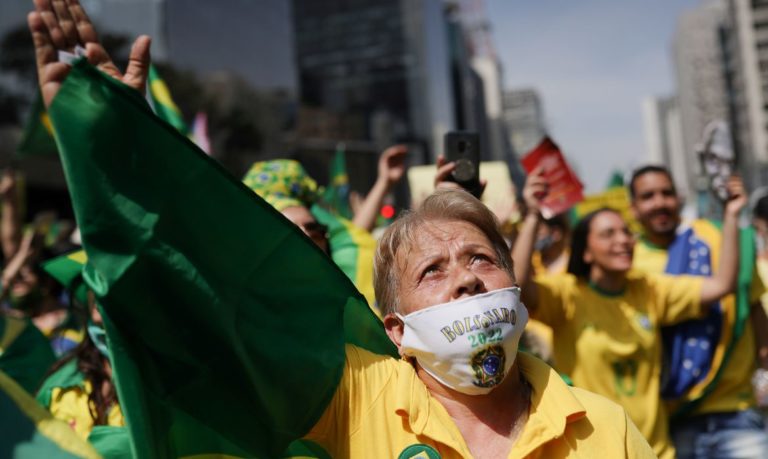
610	344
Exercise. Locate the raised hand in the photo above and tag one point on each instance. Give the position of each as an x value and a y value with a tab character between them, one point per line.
392	164
442	177
60	25
535	190
8	183
737	195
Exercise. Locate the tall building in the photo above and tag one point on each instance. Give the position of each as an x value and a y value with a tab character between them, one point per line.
664	140
468	90
227	48
746	43
524	119
702	97
375	71
487	66
252	39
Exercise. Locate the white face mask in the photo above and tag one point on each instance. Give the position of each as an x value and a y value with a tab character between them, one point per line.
468	345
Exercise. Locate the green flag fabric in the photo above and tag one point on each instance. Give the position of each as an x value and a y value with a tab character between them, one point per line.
67	269
352	249
225	323
162	103
37	139
336	196
30	432
25	354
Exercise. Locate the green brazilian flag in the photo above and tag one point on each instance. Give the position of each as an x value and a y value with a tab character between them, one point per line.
37	139
225	324
25	354
30	432
336	195
162	103
38	132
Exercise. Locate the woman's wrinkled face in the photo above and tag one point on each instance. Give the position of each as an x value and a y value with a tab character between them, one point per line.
610	244
448	260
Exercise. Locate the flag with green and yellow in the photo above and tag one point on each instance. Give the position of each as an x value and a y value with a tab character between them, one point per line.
225	324
336	196
31	432
37	139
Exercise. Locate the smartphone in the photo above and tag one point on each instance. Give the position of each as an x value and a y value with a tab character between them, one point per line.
463	148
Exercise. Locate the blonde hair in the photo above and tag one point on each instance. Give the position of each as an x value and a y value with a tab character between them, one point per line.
443	205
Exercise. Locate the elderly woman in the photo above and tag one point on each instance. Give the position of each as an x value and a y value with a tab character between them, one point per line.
444	280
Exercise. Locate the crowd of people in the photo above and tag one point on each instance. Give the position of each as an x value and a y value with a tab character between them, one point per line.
572	339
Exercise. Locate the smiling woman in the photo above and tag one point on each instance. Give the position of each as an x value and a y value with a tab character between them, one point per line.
606	320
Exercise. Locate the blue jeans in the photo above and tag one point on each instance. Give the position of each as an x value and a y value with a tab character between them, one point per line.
740	434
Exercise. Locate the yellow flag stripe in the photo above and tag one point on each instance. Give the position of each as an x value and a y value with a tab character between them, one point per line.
161	94
53	429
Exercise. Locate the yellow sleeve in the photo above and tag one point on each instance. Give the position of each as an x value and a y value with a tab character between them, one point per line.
550	307
636	445
365	376
678	298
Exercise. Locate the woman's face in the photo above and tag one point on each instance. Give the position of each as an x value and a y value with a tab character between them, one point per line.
610	243
303	218
448	260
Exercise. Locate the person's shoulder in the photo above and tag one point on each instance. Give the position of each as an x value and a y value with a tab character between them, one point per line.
370	365
559	281
598	408
616	435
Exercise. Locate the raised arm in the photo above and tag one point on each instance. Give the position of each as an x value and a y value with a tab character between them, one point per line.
10	224
724	280
534	191
391	170
60	25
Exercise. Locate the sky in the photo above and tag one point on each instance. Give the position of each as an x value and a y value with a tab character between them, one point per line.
592	62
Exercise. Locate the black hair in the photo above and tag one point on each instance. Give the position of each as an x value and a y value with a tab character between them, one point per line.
651	168
761	208
576	264
91	363
559	221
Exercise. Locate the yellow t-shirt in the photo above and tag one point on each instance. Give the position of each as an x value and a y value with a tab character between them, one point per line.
541	334
382	409
70	405
611	345
733	391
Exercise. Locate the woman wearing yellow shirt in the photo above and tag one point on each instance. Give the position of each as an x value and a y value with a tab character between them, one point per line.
80	392
606	320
